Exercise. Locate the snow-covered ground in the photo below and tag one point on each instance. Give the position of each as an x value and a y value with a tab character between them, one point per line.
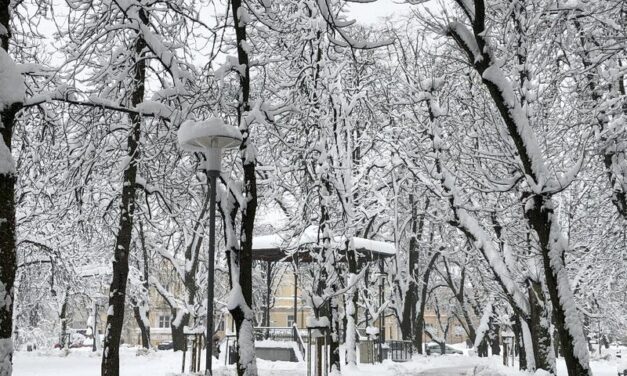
82	362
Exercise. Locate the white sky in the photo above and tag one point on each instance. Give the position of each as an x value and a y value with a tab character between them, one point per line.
369	13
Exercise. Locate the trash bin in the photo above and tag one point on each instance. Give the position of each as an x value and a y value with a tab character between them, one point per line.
366	352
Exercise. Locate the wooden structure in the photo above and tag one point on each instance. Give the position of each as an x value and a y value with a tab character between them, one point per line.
279	248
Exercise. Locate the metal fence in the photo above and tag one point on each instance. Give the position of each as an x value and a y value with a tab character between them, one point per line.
400	351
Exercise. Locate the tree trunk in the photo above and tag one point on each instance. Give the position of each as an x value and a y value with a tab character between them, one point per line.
518	342
141	309
482	349
540	328
144	330
63	319
334	345
408	321
176	326
242	314
8	178
8	257
420	318
557	346
117	291
494	340
541	218
350	309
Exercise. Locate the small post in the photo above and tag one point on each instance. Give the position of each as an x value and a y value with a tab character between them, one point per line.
213	176
505	353
309	352
296	291
199	341
94	331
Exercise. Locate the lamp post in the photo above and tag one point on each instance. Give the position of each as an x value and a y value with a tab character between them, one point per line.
209	137
94	329
381	275
507	337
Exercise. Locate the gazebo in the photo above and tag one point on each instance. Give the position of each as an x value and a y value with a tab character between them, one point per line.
280	248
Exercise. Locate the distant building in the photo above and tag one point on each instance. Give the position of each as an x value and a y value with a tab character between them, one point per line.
282	315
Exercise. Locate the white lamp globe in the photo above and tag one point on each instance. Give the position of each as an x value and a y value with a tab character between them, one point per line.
210	137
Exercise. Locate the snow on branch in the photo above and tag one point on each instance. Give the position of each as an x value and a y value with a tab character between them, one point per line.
12	89
572	321
134	11
339	26
465	39
481	239
484	324
172	301
62	94
466	222
434	335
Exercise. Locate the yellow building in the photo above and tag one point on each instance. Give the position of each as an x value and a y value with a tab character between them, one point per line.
282	315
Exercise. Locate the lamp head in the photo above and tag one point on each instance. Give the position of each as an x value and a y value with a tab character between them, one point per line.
210	137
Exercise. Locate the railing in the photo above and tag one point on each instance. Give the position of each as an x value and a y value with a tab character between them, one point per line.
400	351
230	357
299	340
275	333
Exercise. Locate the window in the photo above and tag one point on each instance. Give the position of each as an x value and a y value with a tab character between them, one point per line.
290	320
164	321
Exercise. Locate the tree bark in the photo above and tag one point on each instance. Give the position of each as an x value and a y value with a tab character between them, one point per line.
143	329
334	330
63	319
494	340
420	317
408	321
179	342
350	309
539	324
482	349
243	315
141	308
541	217
8	256
518	344
117	292
458	293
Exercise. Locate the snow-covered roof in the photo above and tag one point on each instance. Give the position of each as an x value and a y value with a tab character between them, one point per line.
277	247
93	270
375	246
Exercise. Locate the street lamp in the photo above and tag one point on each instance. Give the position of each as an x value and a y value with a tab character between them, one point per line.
94	329
508	345
209	137
381	276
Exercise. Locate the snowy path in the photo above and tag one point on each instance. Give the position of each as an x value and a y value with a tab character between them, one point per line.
167	363
452	371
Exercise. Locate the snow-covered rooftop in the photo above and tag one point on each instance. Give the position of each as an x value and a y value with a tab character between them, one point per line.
276	247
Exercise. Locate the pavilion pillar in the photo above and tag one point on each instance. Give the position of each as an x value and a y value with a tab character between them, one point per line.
268	296
296	292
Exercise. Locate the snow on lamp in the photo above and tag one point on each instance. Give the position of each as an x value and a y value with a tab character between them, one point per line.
209	137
